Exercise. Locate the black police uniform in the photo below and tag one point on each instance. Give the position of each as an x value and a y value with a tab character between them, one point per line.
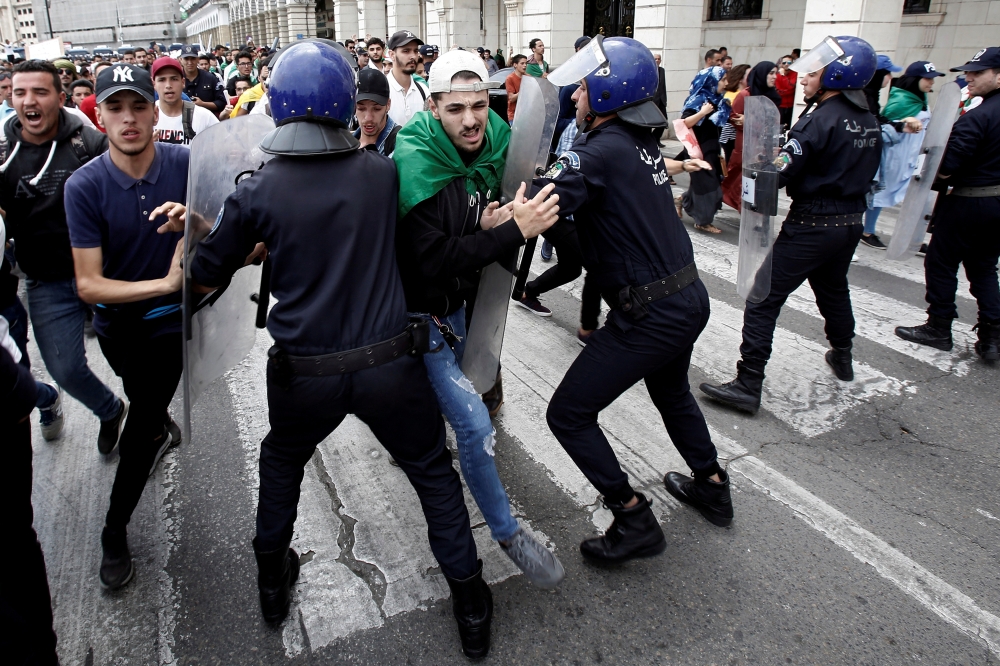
614	183
207	88
827	168
966	221
338	288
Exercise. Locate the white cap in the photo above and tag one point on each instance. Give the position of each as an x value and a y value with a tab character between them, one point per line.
453	62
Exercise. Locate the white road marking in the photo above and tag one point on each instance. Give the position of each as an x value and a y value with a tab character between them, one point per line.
648	441
876	316
987	514
72	485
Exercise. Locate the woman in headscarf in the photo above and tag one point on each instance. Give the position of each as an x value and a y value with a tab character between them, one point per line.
705	113
903	119
760	81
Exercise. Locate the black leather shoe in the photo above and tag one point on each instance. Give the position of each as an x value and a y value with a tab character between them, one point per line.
840	361
277	571
494	397
743	393
988	344
935	333
472	603
711	498
634	533
116	564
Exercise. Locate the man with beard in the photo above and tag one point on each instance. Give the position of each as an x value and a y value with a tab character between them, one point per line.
134	273
407	96
376	130
450	161
376	51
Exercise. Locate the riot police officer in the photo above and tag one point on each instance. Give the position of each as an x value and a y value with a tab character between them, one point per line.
827	167
342	340
614	183
967	217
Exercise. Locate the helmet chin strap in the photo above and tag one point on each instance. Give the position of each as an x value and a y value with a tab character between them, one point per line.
588	120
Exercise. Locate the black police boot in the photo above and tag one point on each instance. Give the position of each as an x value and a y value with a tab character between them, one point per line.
935	333
988	345
116	564
711	498
494	397
472	603
634	533
277	571
743	393
840	361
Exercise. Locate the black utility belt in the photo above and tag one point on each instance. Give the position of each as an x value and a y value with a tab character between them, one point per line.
632	300
415	341
976	192
826	220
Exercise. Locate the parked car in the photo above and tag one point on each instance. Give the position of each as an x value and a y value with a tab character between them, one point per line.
103	51
78	53
498	96
123	48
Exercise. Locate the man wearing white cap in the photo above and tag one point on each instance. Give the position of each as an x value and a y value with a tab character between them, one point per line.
451	160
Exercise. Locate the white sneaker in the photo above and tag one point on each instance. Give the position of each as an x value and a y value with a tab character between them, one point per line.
51	419
854	258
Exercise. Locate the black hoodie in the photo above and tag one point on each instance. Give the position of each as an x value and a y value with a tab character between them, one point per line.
36	214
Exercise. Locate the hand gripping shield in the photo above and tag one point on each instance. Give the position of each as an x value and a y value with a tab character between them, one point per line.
218	327
761	144
527	154
919	201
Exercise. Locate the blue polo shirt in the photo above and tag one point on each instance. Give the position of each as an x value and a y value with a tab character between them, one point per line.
109	209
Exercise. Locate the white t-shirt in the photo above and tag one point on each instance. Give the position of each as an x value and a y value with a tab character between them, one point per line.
87	122
260	106
171	129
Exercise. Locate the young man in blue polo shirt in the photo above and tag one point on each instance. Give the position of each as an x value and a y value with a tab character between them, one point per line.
132	274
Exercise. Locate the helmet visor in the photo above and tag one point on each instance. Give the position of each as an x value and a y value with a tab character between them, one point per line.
586	60
818	57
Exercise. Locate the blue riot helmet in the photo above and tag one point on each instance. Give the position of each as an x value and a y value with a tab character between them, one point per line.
311	92
848	64
621	78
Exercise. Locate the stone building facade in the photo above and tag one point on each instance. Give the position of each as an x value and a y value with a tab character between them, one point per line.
946	32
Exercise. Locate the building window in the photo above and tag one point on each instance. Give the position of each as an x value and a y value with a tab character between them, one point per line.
917	6
734	10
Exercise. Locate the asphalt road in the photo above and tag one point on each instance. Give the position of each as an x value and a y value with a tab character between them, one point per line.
866	532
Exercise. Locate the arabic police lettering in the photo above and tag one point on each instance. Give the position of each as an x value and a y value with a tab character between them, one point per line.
852	126
659	177
123	74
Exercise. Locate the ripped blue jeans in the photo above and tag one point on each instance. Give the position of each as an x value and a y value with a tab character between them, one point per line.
470	420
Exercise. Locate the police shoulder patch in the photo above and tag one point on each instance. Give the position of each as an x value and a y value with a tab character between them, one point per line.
218	219
568	160
793	146
572	159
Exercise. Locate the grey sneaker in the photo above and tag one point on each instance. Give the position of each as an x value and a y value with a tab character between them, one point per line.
168	443
51	419
539	564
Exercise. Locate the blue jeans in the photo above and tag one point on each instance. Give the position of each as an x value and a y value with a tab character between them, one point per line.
871	217
17	321
469	418
57	315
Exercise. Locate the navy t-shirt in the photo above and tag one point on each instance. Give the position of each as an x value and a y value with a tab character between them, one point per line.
109	209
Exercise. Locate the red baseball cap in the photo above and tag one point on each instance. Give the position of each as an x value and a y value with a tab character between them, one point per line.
165	61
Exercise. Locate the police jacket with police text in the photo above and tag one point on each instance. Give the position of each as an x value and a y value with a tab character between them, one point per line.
332	249
442	249
973	155
614	183
830	160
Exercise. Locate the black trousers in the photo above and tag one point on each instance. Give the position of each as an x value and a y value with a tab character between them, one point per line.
658	350
397	402
567	269
966	231
821	255
150	369
26	634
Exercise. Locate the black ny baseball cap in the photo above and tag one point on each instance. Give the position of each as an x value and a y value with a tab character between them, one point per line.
988	58
402	38
373	85
124	77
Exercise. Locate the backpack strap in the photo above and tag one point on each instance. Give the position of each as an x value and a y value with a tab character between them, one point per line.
187	120
420	89
389	145
79	147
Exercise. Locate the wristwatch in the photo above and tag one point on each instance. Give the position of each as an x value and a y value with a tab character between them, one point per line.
684	165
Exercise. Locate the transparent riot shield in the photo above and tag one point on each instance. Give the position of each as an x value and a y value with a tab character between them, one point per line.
582	63
761	143
531	135
218	327
919	201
